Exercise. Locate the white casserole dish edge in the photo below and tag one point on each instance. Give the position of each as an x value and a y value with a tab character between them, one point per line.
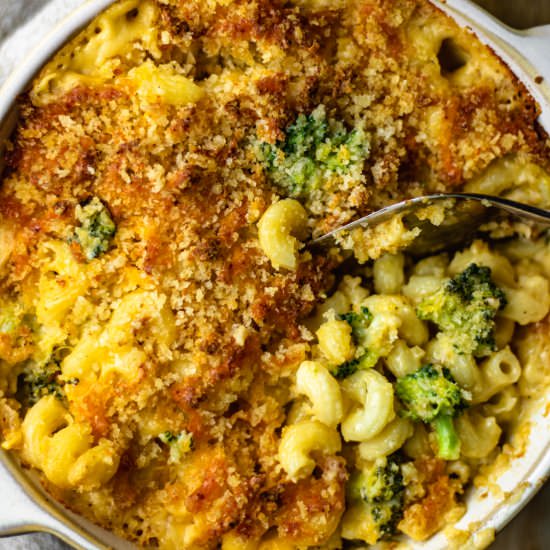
26	508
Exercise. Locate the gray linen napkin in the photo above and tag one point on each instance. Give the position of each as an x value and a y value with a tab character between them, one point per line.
23	23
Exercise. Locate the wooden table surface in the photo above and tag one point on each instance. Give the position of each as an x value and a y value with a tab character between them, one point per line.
531	529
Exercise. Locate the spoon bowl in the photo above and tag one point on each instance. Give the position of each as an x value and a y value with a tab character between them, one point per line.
463	215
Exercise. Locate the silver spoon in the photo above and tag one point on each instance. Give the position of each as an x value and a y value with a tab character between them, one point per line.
462	219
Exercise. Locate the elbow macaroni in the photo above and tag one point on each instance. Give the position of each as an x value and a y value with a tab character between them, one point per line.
112	37
463	367
478	434
390	439
372	409
410	327
335	341
497	372
529	302
300	440
114	350
314	381
502	405
162	83
279	231
62	448
62	281
388	274
403	360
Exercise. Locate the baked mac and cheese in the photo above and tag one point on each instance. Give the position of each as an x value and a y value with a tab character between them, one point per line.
175	361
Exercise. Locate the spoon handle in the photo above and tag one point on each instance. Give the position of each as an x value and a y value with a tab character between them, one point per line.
533	213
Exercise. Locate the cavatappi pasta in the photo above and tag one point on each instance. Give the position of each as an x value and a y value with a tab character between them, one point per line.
175	362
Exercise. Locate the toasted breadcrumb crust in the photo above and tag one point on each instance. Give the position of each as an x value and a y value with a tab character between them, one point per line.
185	189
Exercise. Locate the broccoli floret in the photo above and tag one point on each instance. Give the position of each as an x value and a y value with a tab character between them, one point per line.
381	489
359	322
431	395
35	383
96	230
366	355
179	444
464	309
366	360
346	369
38	380
314	149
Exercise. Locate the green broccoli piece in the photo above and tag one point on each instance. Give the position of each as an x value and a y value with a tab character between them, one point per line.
36	382
366	360
359	322
314	149
179	444
96	230
365	356
346	369
381	490
464	309
431	395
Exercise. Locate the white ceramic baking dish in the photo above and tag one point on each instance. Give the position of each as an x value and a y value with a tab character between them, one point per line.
24	507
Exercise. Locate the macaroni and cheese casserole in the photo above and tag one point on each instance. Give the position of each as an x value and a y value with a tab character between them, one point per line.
177	365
